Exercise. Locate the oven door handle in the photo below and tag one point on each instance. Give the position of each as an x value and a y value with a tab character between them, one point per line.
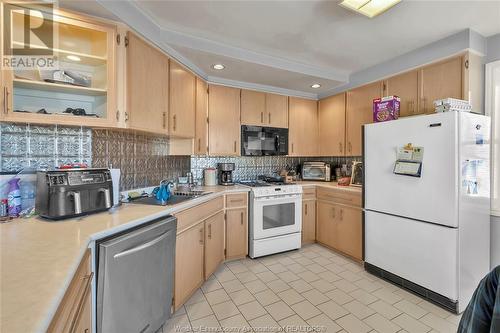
290	197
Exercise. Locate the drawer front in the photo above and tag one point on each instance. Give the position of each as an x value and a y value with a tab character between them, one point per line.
339	196
191	216
236	200
308	193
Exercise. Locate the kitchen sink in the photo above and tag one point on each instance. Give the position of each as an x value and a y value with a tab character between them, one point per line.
175	198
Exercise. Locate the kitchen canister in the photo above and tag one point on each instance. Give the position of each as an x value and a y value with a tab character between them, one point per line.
210	176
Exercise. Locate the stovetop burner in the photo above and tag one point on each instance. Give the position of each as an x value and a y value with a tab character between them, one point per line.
263	181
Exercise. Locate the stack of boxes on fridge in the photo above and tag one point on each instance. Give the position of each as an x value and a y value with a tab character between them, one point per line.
452	104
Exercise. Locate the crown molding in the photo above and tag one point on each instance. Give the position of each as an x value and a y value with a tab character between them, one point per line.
261	87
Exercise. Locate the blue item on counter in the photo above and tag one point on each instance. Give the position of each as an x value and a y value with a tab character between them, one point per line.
163	193
14	197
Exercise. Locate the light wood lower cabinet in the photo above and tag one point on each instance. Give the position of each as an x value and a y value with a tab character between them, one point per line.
74	312
236	233
189	261
339	226
214	243
308	221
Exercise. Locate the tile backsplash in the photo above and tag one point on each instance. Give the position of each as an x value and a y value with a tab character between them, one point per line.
143	159
248	168
42	147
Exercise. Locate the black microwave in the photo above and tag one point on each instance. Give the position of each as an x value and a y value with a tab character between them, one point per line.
263	141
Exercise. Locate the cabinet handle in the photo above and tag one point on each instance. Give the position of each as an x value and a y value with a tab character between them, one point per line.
340	146
234	146
424	109
209	231
126	116
261	117
81	303
175	122
199	144
341	214
305	208
163	120
350	147
269	116
333	212
117	115
5	100
292	147
201	236
241	218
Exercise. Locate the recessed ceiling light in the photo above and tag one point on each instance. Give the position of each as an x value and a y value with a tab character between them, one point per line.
316	85
218	66
370	8
73	57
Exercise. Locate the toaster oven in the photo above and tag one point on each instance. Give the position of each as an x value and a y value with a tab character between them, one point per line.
316	171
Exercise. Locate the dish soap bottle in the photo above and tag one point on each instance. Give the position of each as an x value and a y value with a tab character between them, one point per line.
14	197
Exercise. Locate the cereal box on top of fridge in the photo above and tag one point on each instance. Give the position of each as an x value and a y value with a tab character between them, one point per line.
386	108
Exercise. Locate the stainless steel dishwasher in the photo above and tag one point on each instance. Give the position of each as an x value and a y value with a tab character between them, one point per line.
136	278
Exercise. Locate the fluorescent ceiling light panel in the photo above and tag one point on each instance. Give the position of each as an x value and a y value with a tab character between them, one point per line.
370	8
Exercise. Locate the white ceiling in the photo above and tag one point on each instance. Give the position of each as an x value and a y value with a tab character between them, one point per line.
291	44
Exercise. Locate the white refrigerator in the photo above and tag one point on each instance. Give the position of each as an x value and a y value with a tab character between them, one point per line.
427	223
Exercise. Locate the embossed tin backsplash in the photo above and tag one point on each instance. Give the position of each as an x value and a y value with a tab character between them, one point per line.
143	159
248	168
43	147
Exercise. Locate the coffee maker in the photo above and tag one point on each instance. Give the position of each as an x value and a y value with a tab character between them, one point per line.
225	171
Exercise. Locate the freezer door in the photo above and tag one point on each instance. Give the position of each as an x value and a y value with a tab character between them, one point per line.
431	197
421	252
135	279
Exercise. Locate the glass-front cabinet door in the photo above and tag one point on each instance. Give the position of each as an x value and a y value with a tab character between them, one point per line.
61	70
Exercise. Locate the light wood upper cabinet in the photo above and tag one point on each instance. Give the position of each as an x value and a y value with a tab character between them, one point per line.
189	260
332	125
277	110
440	80
253	108
308	221
405	86
223	121
147	87
214	243
25	92
201	127
182	101
303	127
264	109
236	233
359	112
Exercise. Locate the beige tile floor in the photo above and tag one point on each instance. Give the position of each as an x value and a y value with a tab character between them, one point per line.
312	288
